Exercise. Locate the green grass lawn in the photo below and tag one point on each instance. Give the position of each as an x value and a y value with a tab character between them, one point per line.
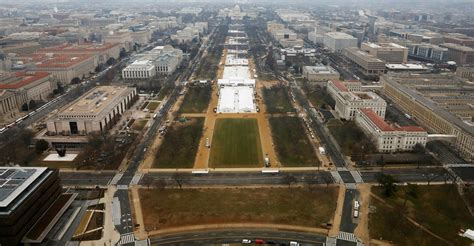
319	97
153	105
196	99
277	100
437	207
296	206
236	143
139	125
292	143
350	138
180	145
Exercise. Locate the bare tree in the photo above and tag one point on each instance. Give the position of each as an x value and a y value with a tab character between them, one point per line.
289	179
180	178
147	180
313	180
159	184
328	180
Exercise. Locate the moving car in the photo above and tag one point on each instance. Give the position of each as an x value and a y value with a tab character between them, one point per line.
246	241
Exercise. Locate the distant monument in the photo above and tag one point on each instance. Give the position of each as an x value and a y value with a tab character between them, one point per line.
61	151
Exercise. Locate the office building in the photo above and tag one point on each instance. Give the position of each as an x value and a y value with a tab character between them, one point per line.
432	116
94	112
459	38
337	41
367	64
460	54
62	67
466	72
37	85
350	98
30	203
320	73
388	52
140	69
427	52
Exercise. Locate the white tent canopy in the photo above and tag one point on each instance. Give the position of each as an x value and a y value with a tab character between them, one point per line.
237	99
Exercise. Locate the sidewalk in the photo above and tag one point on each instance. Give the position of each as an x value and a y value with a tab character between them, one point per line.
109	235
214	227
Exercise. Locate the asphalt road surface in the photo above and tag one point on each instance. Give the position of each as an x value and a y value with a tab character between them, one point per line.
92	178
236	236
347	222
243	178
465	173
408	174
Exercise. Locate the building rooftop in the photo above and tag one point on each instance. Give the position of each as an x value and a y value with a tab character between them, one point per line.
457	47
233	72
339	35
431	105
14	180
93	102
320	69
50	60
384	126
385	45
361	54
20	79
84	47
406	67
339	85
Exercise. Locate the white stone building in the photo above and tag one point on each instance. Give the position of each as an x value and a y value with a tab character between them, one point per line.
94	112
337	41
349	99
320	73
140	69
388	138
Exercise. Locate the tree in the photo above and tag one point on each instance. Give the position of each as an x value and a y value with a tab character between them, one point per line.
388	184
147	180
111	61
429	177
32	105
381	161
41	145
159	184
180	179
24	107
328	180
75	80
419	149
123	53
289	179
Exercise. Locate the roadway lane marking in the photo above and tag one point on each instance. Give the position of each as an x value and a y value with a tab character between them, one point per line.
236	237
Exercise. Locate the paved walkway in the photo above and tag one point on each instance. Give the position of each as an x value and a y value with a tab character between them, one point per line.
177	230
110	235
140	232
334	231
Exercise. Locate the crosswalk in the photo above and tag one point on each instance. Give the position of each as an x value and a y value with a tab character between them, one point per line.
126	238
122	187
337	177
116	178
346	236
357	177
136	178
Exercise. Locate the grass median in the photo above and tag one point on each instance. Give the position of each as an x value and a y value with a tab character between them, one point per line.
180	145
439	208
292	143
165	208
236	143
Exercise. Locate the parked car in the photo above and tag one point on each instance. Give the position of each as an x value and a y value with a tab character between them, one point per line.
356	205
246	241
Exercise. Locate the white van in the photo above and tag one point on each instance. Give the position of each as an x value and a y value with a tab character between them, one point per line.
356	205
356	214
